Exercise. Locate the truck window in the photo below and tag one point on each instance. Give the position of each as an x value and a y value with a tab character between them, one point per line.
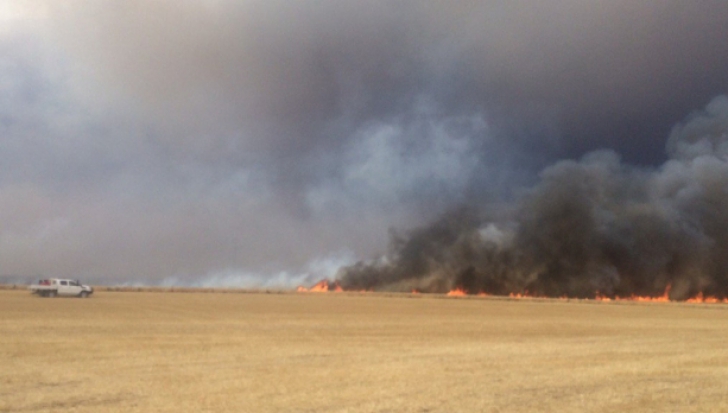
64	282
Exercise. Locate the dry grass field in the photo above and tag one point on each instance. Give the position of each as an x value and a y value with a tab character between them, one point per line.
208	352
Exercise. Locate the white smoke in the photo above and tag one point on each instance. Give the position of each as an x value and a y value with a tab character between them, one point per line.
316	270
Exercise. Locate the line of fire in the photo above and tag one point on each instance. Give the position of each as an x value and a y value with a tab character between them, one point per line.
326	286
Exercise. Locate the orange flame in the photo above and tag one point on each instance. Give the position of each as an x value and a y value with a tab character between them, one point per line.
664	298
333	286
322	286
458	292
524	294
701	299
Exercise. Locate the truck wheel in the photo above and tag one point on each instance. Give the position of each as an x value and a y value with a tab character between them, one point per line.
84	294
51	294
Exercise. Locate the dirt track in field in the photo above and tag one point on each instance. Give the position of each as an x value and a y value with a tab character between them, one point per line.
194	352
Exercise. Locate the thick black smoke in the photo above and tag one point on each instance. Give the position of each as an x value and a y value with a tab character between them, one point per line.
592	225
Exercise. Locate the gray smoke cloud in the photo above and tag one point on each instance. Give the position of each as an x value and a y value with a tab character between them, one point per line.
592	225
223	141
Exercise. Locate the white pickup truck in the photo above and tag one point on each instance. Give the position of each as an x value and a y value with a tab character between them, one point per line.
59	287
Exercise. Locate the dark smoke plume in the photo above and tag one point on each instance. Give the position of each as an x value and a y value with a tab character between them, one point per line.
588	226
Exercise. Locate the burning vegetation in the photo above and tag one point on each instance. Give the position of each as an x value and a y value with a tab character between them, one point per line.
322	286
592	228
325	286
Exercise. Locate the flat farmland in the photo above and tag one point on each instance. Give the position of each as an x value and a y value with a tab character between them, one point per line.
226	352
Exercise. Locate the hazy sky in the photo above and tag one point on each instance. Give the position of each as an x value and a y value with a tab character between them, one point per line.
241	142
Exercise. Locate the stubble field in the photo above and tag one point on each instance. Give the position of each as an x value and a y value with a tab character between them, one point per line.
215	352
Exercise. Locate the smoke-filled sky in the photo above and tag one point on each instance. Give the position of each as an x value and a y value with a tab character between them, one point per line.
269	142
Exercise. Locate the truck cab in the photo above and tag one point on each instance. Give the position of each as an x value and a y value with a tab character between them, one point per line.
69	287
